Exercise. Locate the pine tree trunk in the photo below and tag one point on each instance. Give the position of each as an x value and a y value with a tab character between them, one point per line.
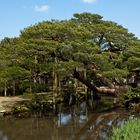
59	84
14	88
30	81
30	88
115	91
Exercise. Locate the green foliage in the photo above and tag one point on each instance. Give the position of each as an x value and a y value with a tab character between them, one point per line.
134	93
37	88
119	73
39	104
61	46
132	99
129	131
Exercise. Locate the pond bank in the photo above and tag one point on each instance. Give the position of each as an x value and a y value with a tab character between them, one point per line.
7	103
42	103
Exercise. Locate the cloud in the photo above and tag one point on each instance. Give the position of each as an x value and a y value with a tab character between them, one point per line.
41	8
89	1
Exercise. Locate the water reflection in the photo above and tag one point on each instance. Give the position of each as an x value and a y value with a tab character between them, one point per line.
75	123
2	136
61	127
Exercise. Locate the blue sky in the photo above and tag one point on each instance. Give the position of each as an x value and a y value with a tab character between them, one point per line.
16	15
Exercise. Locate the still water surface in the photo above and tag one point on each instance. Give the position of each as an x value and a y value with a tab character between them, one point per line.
72	124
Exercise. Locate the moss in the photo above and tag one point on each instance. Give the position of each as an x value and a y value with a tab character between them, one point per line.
129	131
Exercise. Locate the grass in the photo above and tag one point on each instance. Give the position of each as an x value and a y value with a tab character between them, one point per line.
129	131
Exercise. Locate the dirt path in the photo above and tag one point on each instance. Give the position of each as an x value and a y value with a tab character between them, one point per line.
6	103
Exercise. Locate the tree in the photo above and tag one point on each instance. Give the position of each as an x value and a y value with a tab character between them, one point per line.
105	49
11	71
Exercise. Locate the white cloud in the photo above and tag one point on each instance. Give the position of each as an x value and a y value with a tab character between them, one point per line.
41	8
89	1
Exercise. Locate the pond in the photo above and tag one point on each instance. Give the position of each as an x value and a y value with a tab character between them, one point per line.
74	123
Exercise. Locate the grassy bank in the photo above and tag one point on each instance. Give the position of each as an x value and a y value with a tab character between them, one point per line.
129	131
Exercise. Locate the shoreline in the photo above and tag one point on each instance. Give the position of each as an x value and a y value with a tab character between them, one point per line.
7	103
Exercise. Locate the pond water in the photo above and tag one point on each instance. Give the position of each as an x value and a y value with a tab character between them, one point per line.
76	123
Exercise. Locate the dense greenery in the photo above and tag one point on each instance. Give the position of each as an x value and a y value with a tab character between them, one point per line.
134	93
131	99
129	131
49	55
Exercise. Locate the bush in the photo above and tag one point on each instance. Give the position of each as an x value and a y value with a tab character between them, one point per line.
134	93
132	97
129	131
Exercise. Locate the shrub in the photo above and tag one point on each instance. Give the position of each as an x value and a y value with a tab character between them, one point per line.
129	131
131	98
134	93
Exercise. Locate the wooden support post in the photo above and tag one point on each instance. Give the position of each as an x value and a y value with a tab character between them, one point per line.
55	86
85	87
5	88
54	89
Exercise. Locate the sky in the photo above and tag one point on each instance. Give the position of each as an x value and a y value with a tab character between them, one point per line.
15	15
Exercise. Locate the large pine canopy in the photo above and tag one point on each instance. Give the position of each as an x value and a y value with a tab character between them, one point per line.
106	50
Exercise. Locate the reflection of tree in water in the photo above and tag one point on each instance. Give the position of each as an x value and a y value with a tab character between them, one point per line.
3	136
75	123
